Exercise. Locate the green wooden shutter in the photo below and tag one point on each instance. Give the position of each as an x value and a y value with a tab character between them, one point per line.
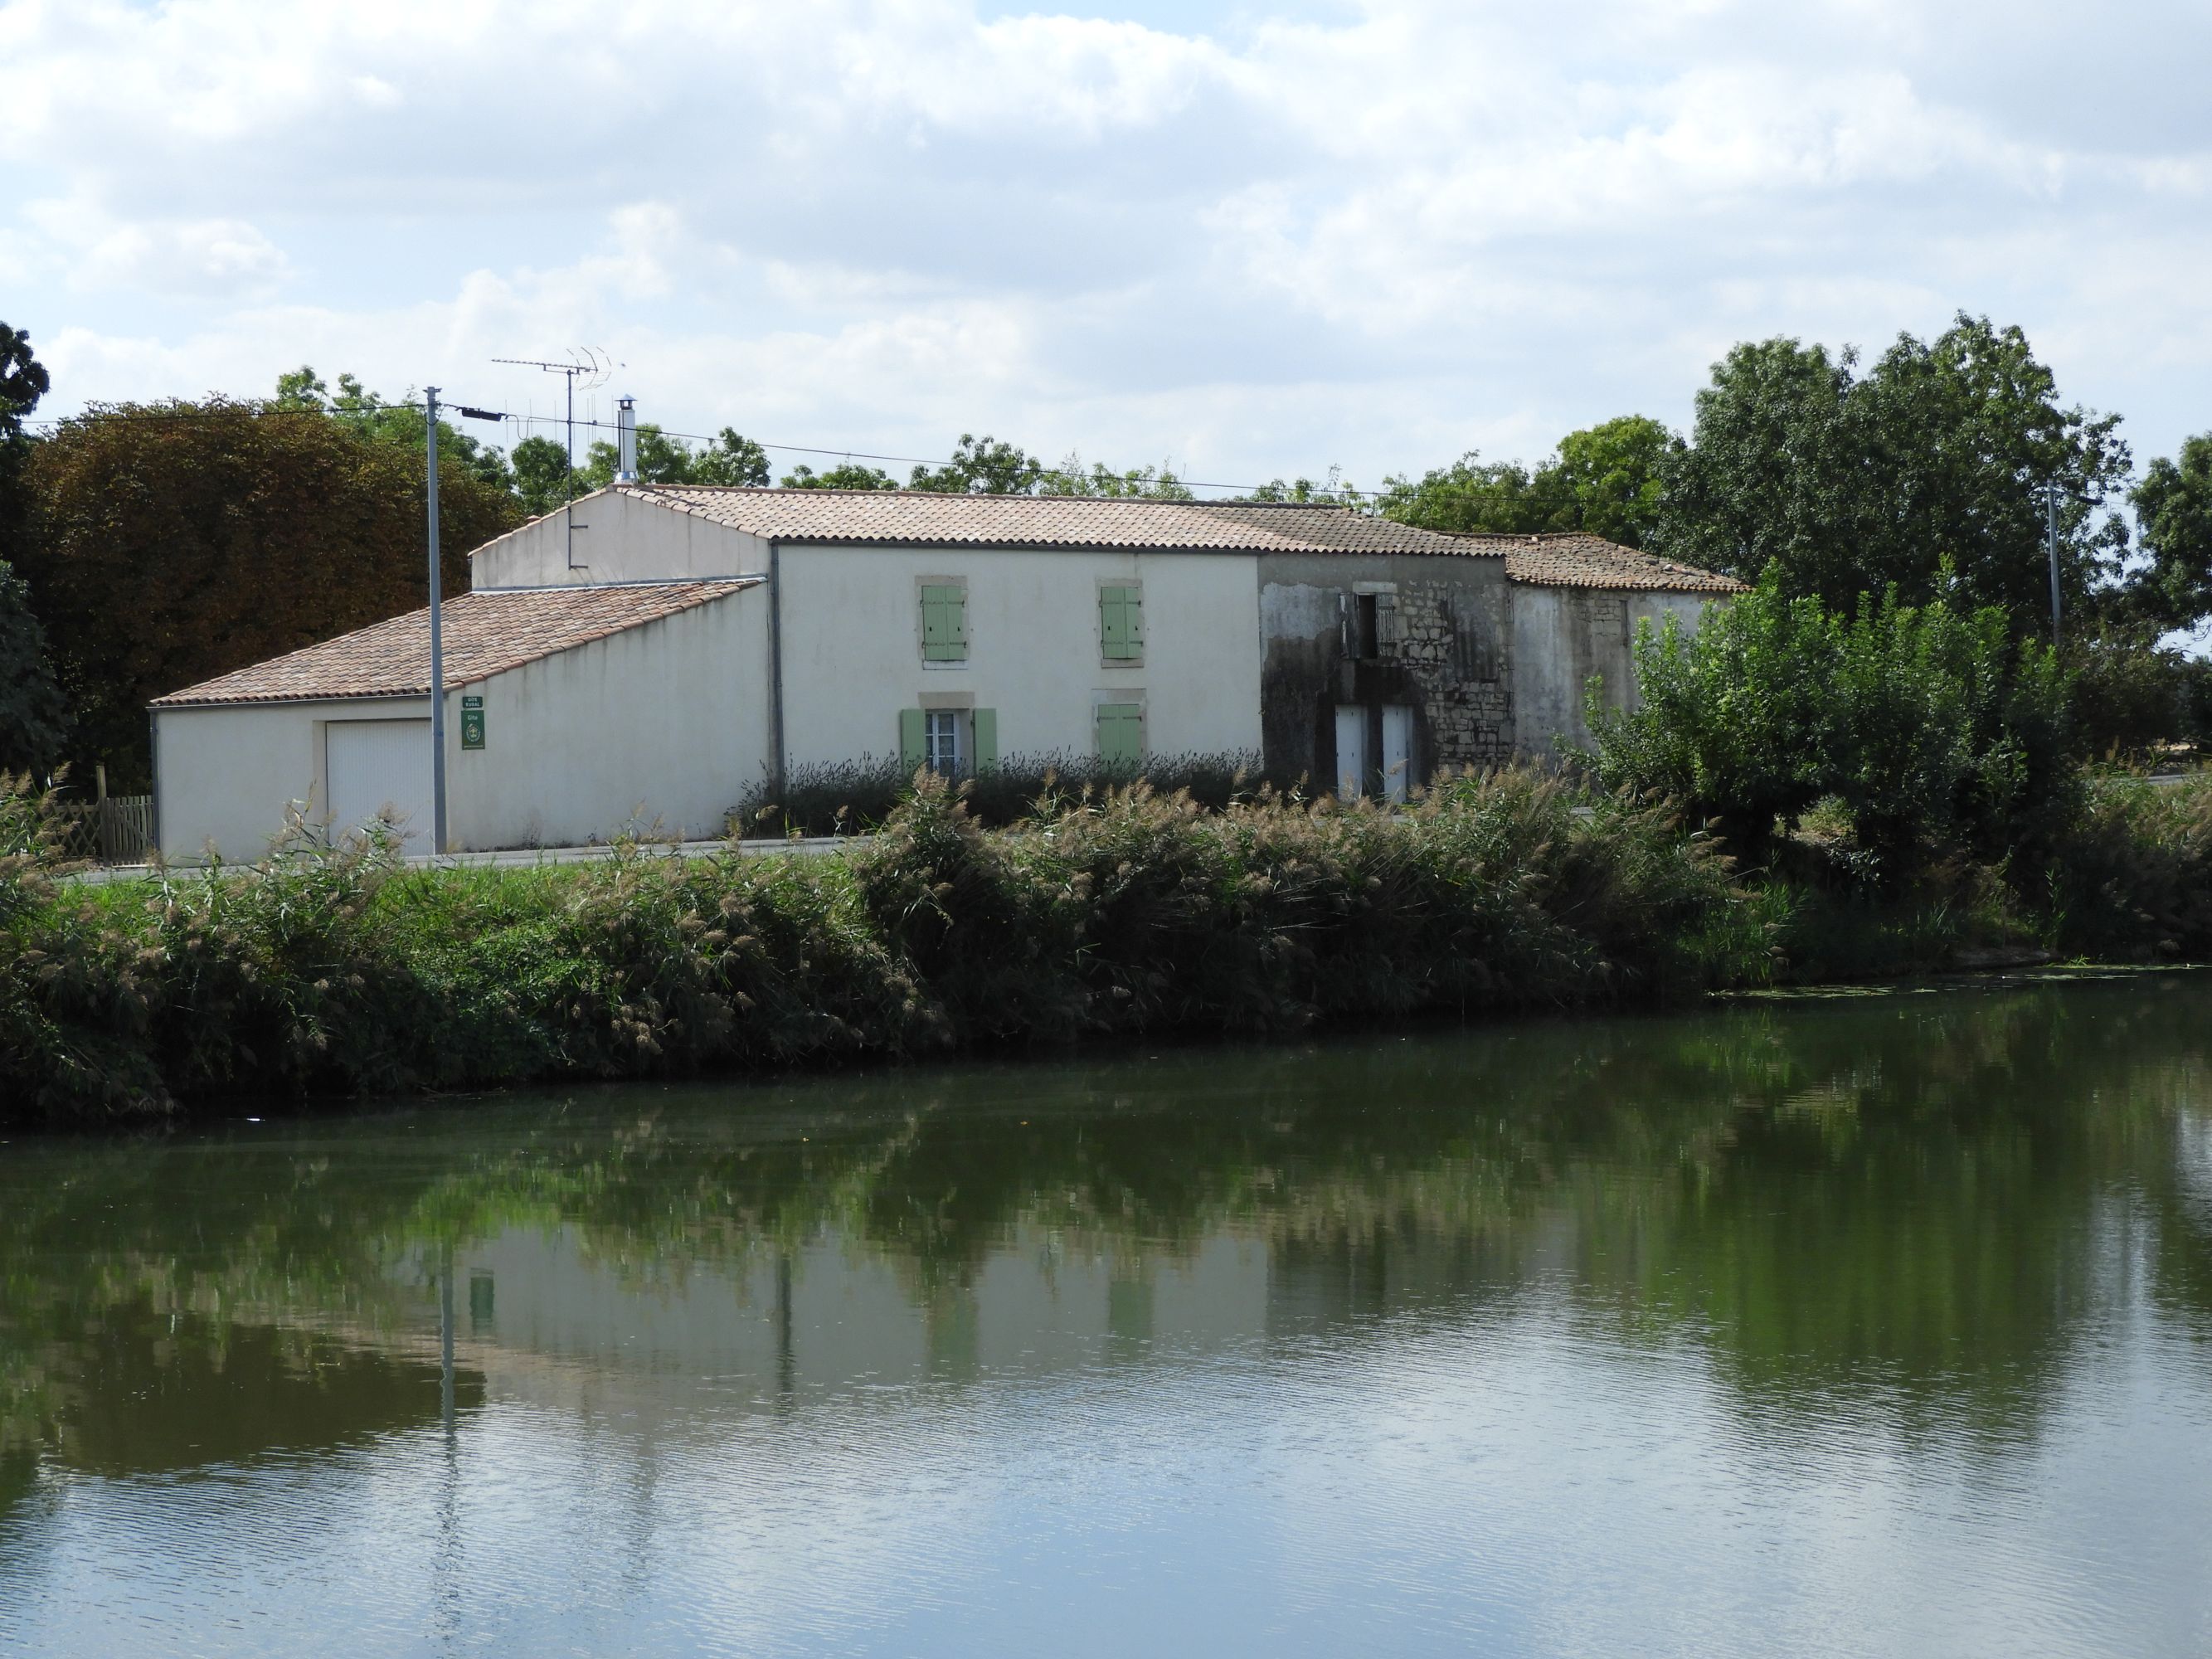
943	624
1122	733
1120	623
987	738
912	750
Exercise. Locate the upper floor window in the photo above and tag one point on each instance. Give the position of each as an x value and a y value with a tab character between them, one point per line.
1370	623
944	622
1121	622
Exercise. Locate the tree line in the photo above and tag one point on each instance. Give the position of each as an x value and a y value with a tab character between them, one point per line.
147	546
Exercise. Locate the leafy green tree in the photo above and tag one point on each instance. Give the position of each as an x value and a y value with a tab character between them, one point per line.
1071	477
1473	496
982	466
23	381
730	459
542	477
366	413
849	475
1606	478
1936	458
1927	723
33	718
176	541
2173	508
660	460
2133	695
1331	490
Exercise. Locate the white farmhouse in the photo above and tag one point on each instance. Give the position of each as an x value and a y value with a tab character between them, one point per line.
647	656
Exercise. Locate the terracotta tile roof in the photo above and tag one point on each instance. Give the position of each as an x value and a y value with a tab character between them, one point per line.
1571	558
485	634
918	518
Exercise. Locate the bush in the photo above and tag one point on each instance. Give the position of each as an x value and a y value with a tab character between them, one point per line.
322	971
2135	700
1928	730
849	797
2134	878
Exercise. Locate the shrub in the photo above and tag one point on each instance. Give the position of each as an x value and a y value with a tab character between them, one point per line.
2134	877
2135	700
323	971
1928	730
846	797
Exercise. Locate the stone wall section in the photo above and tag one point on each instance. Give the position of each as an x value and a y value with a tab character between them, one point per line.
1461	670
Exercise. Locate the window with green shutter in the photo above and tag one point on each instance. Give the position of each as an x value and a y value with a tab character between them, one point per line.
953	743
1122	733
943	624
1122	624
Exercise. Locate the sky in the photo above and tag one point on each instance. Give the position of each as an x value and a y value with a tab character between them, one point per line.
1246	241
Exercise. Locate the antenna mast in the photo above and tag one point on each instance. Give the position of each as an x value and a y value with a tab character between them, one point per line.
593	366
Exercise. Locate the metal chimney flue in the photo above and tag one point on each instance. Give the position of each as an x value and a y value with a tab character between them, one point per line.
626	437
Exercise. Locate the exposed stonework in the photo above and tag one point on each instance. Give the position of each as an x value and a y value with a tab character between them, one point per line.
1442	646
1491	667
1463	675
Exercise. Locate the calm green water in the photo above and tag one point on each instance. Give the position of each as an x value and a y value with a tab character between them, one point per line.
1873	1325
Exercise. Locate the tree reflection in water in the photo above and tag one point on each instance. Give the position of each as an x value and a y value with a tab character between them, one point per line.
1918	1205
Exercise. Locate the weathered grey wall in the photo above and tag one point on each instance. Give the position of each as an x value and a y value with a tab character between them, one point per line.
1452	664
1564	635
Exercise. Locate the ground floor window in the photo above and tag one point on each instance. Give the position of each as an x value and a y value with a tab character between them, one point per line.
953	743
944	742
1122	733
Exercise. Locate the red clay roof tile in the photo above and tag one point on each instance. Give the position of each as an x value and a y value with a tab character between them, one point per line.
484	633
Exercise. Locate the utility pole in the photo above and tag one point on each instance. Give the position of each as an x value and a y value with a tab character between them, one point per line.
2050	522
437	643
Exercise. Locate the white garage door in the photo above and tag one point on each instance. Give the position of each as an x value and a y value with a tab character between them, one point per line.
380	766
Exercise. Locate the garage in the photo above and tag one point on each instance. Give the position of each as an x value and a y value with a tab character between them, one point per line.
572	714
380	768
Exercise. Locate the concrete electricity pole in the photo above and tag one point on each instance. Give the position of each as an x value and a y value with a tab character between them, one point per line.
437	643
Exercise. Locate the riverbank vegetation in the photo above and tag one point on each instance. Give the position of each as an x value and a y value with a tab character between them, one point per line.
330	972
319	971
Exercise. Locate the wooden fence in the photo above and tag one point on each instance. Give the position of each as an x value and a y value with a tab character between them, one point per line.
116	829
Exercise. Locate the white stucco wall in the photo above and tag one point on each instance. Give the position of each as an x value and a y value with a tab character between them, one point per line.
852	647
225	774
1562	636
666	721
619	538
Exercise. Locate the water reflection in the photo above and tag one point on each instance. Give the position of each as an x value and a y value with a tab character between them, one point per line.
1724	1310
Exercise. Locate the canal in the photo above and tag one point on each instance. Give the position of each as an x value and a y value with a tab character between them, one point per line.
1869	1323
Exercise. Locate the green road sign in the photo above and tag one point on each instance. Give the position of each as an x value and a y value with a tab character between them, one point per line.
472	722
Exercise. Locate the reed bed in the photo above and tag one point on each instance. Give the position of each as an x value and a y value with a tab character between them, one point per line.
1122	912
334	972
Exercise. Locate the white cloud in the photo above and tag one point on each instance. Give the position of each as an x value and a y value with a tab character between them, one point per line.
1375	236
219	259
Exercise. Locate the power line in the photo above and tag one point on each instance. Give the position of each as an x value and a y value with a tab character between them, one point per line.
265	412
904	460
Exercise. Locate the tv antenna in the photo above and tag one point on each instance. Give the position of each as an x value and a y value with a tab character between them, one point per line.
592	367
